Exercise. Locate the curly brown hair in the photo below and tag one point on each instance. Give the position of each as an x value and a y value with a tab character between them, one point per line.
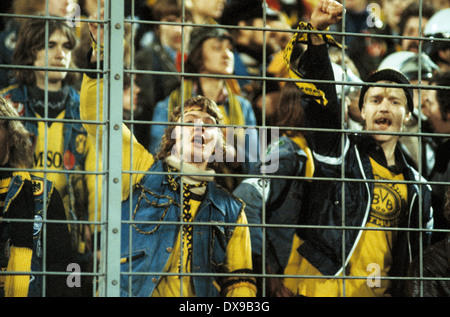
19	140
203	104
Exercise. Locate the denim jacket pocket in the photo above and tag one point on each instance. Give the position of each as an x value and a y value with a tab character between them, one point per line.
150	211
133	262
134	256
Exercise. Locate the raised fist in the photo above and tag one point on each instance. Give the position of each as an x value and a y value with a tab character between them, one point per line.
326	13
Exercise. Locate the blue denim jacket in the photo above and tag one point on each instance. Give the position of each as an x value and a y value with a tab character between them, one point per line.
18	94
156	203
74	159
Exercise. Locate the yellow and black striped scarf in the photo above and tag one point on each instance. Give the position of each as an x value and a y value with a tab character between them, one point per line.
303	37
194	188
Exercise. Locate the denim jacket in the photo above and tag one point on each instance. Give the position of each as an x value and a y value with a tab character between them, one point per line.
19	96
154	201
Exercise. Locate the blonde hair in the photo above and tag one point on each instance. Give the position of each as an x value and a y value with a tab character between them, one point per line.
19	141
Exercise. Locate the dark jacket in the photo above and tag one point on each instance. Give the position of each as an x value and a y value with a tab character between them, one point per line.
335	154
436	264
282	198
56	255
440	173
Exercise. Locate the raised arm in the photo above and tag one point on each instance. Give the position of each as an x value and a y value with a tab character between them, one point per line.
91	109
322	108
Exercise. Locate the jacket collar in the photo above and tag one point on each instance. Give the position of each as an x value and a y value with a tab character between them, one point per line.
215	195
20	94
369	146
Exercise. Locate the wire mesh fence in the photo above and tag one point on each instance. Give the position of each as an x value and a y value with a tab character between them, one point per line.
127	228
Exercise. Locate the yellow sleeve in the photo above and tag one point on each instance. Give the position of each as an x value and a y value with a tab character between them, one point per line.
93	163
20	261
239	260
140	160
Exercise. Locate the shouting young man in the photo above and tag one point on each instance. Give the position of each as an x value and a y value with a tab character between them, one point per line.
377	195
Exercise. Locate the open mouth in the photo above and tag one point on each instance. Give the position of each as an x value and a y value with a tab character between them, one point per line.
383	123
199	140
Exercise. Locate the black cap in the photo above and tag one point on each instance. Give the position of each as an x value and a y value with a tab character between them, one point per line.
390	75
245	10
200	34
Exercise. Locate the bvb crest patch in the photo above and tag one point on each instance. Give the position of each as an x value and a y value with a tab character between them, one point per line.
389	198
38	187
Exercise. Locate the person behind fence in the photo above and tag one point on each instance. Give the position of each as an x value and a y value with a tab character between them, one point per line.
439	49
373	196
412	65
205	11
22	197
433	264
415	15
8	36
436	108
211	52
253	49
166	196
283	197
164	55
58	146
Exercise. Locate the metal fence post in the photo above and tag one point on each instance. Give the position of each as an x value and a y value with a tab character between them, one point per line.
115	53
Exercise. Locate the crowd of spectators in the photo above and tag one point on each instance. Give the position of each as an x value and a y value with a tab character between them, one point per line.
245	65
